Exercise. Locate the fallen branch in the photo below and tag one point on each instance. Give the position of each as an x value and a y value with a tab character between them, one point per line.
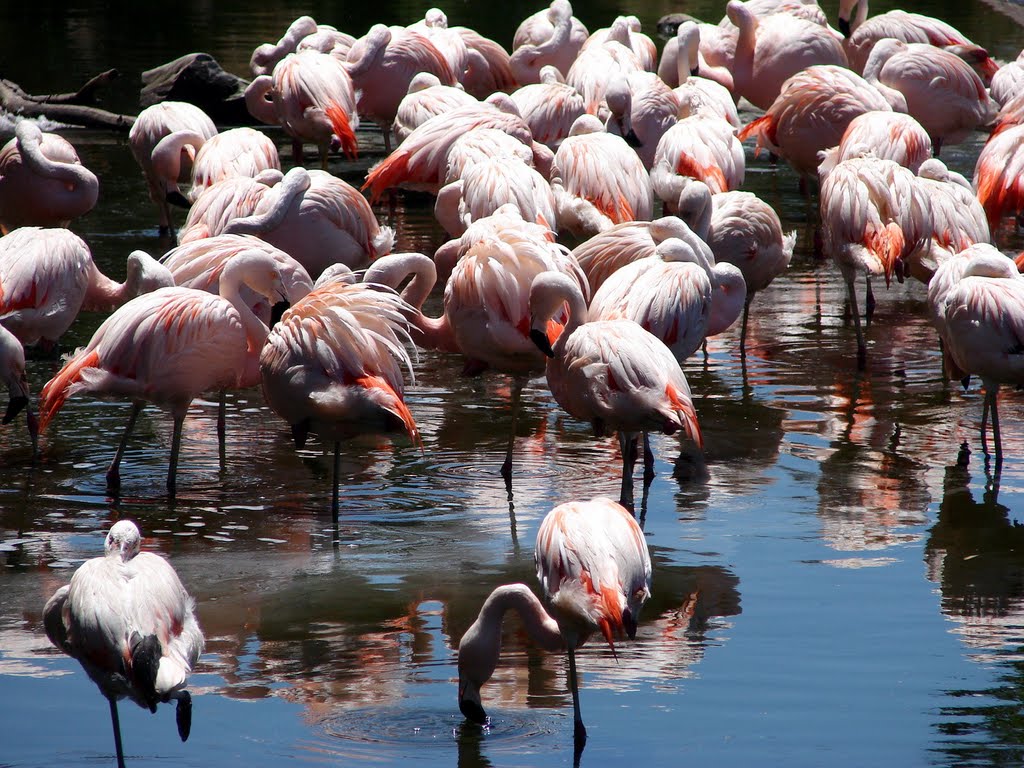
65	107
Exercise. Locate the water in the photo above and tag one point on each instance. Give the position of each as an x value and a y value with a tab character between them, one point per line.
839	583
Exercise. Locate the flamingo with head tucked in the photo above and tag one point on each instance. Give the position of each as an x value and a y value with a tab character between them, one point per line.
128	620
42	181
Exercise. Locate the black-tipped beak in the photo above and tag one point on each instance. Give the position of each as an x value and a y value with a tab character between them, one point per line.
695	72
539	338
629	622
844	27
277	311
966	381
14	406
473	711
178	199
633	140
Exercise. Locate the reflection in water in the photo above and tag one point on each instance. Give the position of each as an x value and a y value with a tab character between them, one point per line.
975	551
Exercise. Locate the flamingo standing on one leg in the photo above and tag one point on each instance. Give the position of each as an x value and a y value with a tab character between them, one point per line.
595	570
170	346
42	181
130	623
333	366
985	329
611	373
12	375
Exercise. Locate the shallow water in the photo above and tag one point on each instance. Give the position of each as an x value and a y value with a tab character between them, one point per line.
838	582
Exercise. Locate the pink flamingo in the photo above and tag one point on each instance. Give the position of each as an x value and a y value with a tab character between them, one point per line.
162	177
811	114
47	276
168	347
1008	81
552	36
999	175
311	96
611	373
702	148
319	220
333	366
873	214
642	108
201	263
266	56
12	376
597	67
487	185
598	180
595	570
426	97
698	87
383	63
42	181
985	328
480	145
888	135
771	49
394	269
130	623
489	66
434	26
958	219
236	152
937	87
627	31
549	107
862	33
420	161
235	197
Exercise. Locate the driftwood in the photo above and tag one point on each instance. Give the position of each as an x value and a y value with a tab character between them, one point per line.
198	79
71	108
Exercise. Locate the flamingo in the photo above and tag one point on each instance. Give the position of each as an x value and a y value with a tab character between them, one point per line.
427	96
552	37
598	180
42	181
597	67
771	49
235	197
862	33
318	219
985	329
310	94
595	570
199	264
236	152
420	161
698	87
326	39
12	376
873	215
452	46
642	109
487	185
702	148
47	276
1008	81
549	107
935	86
888	135
627	31
383	63
487	303
488	67
999	175
150	127
811	114
128	620
480	145
958	219
394	269
611	373
168	347
667	294
266	56
333	366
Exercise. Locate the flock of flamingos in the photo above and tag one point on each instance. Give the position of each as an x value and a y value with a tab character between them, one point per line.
573	132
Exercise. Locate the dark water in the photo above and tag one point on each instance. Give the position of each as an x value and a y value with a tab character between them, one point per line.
839	583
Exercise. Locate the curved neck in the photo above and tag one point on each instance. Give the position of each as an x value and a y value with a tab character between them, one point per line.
144	274
295	182
539	624
374	45
746	41
166	155
79	180
231	279
258	101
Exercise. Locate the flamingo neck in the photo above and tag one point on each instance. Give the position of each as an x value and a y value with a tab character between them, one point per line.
295	182
166	155
258	101
538	623
231	280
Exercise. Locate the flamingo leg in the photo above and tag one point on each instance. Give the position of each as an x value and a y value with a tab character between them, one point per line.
506	467
335	496
628	447
862	351
222	411
869	299
117	732
114	470
297	156
172	471
991	395
579	731
743	328
648	460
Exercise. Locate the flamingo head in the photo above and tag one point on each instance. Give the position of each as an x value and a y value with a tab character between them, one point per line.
123	539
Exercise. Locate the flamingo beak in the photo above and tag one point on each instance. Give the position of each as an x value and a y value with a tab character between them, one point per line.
540	338
14	406
844	26
469	704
